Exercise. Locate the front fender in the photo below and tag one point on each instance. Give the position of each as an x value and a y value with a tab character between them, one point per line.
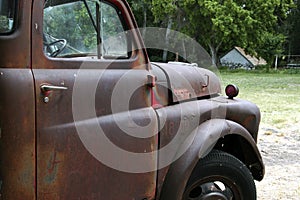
206	137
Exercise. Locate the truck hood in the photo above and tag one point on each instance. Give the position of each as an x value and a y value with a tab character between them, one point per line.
186	81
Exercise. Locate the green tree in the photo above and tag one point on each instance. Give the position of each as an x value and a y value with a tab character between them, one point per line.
3	24
217	24
71	23
143	13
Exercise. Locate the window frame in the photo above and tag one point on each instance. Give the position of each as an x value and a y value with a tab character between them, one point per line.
129	40
137	61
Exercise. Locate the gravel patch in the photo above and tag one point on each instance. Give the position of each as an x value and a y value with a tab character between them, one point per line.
280	150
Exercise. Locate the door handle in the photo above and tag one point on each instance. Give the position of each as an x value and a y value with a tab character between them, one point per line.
47	89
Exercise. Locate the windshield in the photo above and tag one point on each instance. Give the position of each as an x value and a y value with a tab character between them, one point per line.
89	28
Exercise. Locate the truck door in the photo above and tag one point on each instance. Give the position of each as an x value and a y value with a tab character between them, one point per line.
96	131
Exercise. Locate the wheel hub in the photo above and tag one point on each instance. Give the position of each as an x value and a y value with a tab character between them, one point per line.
214	196
210	191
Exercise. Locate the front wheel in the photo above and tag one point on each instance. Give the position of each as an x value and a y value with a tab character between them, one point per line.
220	175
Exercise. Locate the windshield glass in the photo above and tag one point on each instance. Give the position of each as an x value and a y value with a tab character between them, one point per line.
80	28
7	15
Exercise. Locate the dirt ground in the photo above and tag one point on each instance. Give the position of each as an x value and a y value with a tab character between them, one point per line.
281	154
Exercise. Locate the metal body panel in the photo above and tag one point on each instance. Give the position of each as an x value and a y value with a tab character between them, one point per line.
200	125
17	110
210	132
66	165
187	81
69	162
69	168
17	134
15	48
161	91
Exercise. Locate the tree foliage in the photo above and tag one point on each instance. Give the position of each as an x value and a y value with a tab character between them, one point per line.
258	26
71	22
4	24
221	24
84	27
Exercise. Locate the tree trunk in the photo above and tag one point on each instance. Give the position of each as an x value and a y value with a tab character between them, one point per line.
183	50
144	22
213	54
165	53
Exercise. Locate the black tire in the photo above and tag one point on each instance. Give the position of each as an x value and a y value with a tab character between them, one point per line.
220	175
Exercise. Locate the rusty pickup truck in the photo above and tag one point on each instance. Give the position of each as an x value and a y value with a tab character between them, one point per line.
84	114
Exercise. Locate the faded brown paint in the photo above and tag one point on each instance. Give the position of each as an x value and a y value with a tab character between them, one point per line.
179	171
17	137
15	48
65	168
41	153
17	111
203	111
61	153
187	81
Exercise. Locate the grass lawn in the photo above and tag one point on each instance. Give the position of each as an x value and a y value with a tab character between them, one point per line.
277	95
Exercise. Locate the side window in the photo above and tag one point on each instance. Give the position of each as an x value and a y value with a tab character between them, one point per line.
86	28
7	15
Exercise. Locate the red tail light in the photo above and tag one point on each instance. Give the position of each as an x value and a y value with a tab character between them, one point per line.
231	91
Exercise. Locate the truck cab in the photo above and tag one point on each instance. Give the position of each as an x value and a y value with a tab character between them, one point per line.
84	113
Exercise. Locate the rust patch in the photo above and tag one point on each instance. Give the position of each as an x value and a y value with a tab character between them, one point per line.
52	168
